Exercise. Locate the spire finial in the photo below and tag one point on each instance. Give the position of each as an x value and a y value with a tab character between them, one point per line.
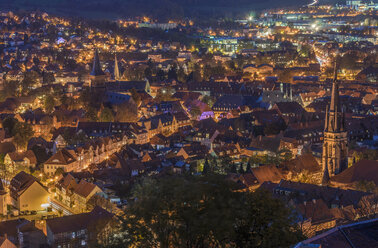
335	91
326	120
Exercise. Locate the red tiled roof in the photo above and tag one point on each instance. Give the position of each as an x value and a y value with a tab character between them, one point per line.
78	222
61	157
267	173
364	170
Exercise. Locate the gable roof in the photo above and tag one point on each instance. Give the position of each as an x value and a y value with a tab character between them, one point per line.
267	173
68	182
360	234
364	170
6	243
17	156
84	188
303	162
61	157
78	222
21	182
7	147
10	227
290	107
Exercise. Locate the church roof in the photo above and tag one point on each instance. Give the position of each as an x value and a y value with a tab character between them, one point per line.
364	170
96	69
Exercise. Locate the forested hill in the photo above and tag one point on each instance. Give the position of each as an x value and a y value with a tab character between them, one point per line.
156	8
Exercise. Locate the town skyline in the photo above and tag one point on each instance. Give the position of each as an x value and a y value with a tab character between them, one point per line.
188	124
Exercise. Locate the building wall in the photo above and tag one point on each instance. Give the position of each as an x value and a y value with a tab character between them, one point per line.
3	204
33	198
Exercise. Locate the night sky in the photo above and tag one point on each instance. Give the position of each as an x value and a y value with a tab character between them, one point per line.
156	8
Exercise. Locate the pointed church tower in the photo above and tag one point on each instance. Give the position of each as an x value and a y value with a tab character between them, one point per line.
97	75
116	69
335	146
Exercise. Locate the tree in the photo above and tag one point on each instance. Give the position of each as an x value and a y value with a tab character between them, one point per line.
181	76
285	76
165	94
59	172
91	114
10	88
206	167
204	211
8	125
40	154
233	168
30	79
209	100
48	78
366	186
172	73
136	97
91	98
241	169
106	115
348	61
195	112
49	103
126	112
275	128
265	222
22	133
248	167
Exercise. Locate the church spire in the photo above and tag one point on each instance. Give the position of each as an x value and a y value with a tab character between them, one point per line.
326	120
116	69
335	102
334	115
96	69
335	146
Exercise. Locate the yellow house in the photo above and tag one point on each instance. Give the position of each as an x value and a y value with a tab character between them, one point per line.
27	193
16	161
76	195
83	192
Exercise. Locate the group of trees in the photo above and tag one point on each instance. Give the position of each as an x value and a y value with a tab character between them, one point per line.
22	87
204	211
20	131
277	158
94	103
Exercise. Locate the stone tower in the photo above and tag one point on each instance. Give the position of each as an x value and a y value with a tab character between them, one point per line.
335	146
98	77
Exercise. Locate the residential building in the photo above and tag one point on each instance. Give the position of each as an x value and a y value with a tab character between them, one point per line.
27	193
80	230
